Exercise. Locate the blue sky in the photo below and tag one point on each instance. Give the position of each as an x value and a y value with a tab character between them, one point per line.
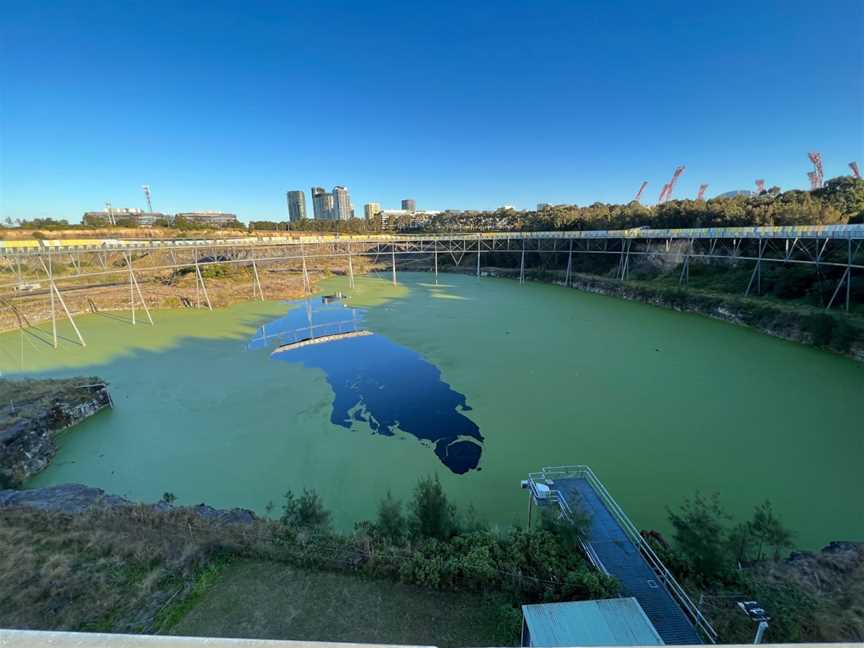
227	105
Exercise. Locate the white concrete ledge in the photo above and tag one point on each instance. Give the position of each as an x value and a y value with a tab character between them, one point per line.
51	639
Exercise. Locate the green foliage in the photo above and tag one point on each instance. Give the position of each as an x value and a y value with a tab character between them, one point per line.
432	515
820	327
390	523
769	531
701	536
44	223
169	498
306	511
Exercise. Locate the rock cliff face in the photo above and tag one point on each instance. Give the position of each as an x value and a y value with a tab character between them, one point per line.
77	498
37	411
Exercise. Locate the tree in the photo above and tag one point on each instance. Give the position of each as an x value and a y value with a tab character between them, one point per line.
701	536
169	498
768	530
432	515
390	523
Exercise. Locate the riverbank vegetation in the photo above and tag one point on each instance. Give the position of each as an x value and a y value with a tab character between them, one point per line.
139	568
810	597
158	569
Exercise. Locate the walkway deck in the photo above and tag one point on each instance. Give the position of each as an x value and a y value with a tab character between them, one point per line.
615	545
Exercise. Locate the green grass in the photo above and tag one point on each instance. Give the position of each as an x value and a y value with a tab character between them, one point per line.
265	600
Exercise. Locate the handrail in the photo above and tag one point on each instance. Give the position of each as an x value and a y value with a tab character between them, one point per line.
666	577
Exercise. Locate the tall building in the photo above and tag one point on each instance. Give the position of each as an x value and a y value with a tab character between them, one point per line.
341	203
322	204
409	204
296	205
371	209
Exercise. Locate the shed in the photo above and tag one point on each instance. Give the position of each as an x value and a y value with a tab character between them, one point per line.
604	622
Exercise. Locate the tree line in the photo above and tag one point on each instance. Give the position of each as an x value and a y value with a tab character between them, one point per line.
840	201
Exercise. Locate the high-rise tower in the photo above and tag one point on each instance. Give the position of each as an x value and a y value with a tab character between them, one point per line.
322	204
341	203
296	205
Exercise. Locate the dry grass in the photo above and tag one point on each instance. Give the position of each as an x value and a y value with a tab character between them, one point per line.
817	598
109	570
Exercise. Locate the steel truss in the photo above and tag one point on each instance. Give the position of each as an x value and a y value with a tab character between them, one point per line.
89	265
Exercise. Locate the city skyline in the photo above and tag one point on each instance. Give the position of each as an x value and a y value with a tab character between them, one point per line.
568	109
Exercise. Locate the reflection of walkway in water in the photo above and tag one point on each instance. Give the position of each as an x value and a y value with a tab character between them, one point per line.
378	384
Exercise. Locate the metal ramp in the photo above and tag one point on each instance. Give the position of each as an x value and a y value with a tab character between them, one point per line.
617	548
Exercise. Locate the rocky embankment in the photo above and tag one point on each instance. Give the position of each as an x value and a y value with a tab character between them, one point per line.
34	412
77	498
815	329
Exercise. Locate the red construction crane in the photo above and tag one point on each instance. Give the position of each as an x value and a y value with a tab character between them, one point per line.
641	189
677	174
816	159
701	194
760	186
814	180
663	192
855	172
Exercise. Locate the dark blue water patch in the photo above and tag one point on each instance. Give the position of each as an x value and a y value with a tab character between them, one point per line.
384	386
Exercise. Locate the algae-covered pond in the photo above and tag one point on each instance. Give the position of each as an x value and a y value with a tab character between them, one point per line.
477	380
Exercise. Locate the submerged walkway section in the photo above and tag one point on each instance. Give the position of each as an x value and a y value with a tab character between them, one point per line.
616	547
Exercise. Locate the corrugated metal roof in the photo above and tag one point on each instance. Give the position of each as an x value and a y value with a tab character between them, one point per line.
606	622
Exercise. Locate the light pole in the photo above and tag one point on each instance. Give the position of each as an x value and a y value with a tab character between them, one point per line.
758	614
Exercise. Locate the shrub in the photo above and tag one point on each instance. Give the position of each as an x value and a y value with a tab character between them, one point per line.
820	327
307	511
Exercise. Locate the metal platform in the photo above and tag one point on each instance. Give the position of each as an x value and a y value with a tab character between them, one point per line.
615	546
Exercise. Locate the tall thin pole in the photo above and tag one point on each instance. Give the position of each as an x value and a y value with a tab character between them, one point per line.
478	258
393	256
350	269
436	260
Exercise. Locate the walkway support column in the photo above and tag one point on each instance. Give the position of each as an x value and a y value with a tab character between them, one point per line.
52	288
436	260
200	279
522	264
256	285
50	272
131	287
134	282
350	269
393	256
569	265
478	258
307	287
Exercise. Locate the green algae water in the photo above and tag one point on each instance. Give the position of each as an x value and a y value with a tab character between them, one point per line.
660	404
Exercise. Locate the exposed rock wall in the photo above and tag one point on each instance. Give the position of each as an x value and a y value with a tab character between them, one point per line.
36	413
77	498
